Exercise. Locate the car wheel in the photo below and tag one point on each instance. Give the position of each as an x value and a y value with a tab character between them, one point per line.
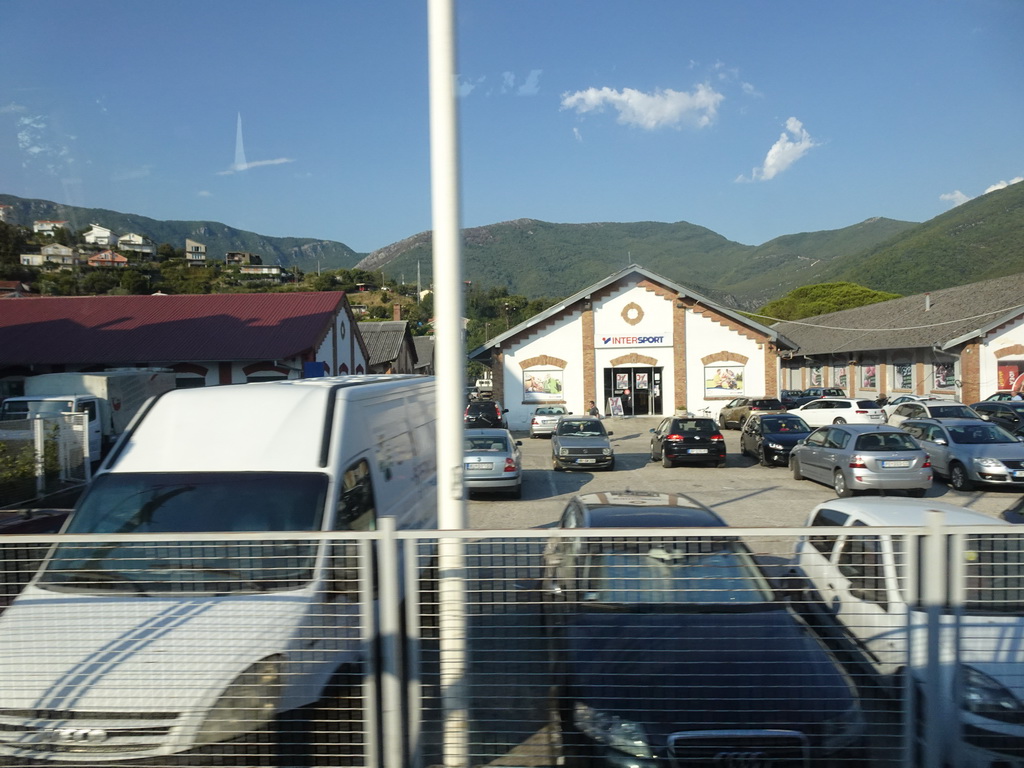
517	492
839	420
916	493
722	423
842	490
762	457
653	455
742	422
665	460
959	479
720	463
794	465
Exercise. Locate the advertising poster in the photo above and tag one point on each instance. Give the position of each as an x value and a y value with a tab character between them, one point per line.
621	381
839	376
944	376
642	381
723	380
903	376
1007	376
869	378
543	386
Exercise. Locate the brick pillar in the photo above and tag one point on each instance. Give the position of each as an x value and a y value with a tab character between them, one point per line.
970	374
679	308
771	370
589	359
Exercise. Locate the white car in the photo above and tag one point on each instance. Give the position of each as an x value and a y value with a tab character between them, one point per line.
863	579
931	409
840	410
890	405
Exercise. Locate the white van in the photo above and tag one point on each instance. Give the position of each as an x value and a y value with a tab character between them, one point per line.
863	577
189	639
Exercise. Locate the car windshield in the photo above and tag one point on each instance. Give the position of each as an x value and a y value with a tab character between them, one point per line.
198	502
785	424
580	428
489	443
767	404
951	412
886	441
675	578
980	433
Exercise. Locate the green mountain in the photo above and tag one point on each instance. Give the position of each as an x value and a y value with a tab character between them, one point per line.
305	253
537	258
981	239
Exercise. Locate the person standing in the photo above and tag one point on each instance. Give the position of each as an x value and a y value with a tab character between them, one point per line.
593	410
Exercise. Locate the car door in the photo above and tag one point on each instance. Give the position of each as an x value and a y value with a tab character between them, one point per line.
750	437
816	413
935	441
658	438
862	593
810	454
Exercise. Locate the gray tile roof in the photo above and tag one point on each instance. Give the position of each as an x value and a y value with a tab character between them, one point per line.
953	316
383	339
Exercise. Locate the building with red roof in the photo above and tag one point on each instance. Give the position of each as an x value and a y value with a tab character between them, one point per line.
206	339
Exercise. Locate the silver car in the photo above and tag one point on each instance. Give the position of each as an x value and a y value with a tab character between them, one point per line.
581	442
862	457
493	461
545	418
970	452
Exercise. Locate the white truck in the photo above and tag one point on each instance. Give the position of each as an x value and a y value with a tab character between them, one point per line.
195	606
111	398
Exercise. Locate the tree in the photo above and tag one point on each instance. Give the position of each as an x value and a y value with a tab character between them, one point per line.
820	299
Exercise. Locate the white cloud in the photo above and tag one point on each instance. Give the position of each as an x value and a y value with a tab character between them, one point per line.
508	80
11	109
576	134
532	85
955	197
793	143
464	87
1003	184
959	198
662	108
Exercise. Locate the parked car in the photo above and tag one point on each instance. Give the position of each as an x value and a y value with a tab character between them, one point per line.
863	581
736	412
862	457
676	650
770	437
545	418
581	442
1006	413
789	397
493	461
970	451
1002	394
839	410
815	393
930	409
688	440
485	413
890	405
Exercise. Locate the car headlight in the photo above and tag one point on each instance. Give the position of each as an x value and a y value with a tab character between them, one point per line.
249	703
563	451
984	695
840	732
984	462
775	446
606	451
612	730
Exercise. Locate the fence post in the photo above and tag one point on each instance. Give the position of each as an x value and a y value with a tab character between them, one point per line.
390	629
39	443
933	592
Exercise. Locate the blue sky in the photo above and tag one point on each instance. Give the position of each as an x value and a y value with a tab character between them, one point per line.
753	119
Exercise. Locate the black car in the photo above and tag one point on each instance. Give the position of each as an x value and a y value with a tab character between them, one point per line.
1005	413
485	413
687	439
660	644
770	437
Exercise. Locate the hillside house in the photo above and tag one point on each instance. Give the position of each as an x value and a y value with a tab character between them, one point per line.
136	243
109	259
61	255
43	227
264	271
390	346
195	253
101	236
239	258
207	339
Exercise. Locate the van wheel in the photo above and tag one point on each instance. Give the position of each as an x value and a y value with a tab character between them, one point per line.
794	465
842	490
959	479
330	732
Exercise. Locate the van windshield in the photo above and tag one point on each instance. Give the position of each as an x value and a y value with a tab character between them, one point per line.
28	409
199	502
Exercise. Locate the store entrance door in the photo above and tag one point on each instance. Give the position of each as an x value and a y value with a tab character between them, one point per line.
638	390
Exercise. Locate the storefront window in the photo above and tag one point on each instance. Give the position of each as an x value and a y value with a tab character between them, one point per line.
943	376
816	380
869	376
839	376
903	376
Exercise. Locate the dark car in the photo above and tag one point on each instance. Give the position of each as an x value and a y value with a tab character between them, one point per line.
659	644
687	440
737	411
485	413
581	442
816	393
1005	413
770	437
789	397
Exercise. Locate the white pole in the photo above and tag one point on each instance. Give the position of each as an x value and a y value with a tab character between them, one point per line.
450	355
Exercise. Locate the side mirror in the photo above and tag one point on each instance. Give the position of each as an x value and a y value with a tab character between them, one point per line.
985	417
610	434
940	441
519	442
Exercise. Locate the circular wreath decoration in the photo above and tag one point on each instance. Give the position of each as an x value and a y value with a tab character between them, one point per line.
632	313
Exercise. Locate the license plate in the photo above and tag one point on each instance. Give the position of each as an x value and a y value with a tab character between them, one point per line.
586	461
479	466
895	464
876	416
698	450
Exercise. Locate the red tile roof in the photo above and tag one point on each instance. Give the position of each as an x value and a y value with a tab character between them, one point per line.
112	330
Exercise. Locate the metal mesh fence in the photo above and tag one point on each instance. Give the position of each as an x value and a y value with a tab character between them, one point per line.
517	648
43	455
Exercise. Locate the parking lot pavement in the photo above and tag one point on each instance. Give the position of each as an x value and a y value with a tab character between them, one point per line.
743	493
